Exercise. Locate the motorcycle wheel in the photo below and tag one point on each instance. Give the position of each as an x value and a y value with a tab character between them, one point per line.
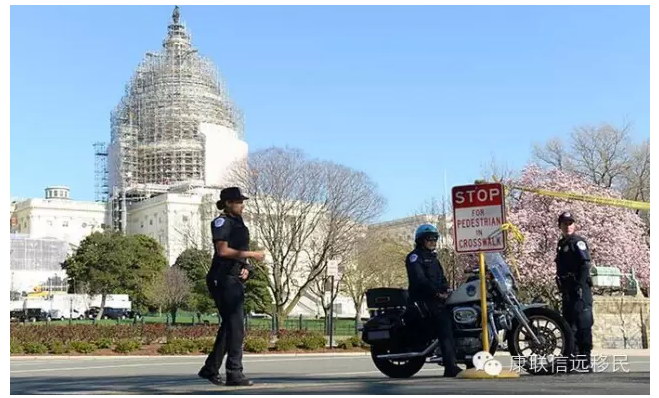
556	340
396	368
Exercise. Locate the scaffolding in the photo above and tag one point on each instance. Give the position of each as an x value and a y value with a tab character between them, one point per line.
101	192
36	254
155	136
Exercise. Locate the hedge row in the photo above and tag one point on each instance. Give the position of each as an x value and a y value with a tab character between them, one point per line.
147	333
60	339
123	346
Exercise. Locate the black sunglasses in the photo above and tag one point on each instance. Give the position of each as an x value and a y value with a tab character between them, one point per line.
432	239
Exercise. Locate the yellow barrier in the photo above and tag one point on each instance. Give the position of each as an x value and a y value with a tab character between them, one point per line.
629	204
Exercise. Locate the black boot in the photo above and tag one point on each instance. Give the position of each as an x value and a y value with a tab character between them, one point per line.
238	380
213	377
452	371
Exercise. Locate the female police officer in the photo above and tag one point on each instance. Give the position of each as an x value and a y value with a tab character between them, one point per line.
225	280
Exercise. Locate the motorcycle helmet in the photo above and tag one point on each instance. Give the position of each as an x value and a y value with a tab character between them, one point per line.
424	231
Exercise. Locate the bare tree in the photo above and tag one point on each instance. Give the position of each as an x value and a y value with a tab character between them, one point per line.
325	292
636	184
553	153
637	177
171	291
601	153
496	170
304	213
379	262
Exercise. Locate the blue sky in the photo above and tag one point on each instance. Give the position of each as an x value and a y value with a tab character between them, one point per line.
401	93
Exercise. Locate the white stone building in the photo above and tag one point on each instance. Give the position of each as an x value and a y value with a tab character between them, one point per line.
402	229
43	232
57	216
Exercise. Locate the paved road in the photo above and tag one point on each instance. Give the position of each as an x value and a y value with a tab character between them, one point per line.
308	374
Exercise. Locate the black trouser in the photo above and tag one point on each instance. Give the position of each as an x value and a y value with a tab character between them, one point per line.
229	295
578	312
440	319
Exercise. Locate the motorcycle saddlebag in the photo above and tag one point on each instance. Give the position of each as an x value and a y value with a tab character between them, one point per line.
380	328
386	297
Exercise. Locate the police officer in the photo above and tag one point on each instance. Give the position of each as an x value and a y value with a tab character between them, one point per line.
574	282
225	281
428	285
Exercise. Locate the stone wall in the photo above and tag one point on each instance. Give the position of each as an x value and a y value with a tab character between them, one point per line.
621	322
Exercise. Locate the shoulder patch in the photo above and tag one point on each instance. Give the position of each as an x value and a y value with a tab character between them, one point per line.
413	258
582	245
219	222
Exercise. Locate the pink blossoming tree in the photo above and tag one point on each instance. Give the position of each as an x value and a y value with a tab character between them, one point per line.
615	235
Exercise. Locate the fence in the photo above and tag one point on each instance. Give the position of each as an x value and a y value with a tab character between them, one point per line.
341	327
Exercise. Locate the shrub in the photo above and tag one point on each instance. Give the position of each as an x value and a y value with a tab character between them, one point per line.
265	334
351	342
287	343
178	347
127	345
205	345
15	347
35	348
256	344
83	347
153	332
103	342
313	341
57	347
192	332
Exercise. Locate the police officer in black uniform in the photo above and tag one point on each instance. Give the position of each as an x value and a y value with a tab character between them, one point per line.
574	282
429	287
225	281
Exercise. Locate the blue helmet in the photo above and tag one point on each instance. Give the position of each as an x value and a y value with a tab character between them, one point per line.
425	230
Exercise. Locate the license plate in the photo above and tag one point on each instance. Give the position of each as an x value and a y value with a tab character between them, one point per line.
378	335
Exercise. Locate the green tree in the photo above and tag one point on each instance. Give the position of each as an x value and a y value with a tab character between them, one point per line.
111	263
170	291
257	293
147	262
196	263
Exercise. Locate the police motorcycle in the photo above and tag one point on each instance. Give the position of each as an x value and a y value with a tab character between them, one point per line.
537	336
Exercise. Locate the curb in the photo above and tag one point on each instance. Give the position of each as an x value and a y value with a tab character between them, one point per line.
301	354
605	352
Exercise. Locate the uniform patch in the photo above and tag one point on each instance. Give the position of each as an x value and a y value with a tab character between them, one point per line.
581	245
413	258
219	222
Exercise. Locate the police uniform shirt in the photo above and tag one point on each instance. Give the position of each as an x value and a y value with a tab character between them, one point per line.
425	275
232	230
573	259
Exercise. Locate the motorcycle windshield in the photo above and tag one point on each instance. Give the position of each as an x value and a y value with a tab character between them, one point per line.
500	270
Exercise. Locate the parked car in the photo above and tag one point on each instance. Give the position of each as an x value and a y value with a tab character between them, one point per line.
91	313
15	315
115	313
29	315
